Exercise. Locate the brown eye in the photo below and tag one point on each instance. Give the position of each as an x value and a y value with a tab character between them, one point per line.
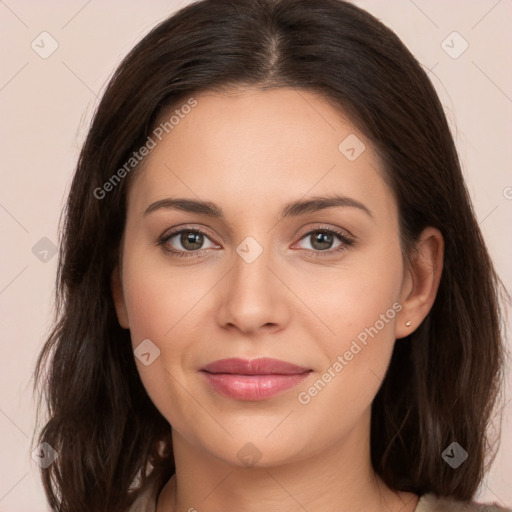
321	240
185	242
327	242
191	240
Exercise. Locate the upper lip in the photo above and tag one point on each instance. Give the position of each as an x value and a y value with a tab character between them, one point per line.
261	366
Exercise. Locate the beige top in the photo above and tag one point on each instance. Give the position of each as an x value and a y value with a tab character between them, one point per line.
146	502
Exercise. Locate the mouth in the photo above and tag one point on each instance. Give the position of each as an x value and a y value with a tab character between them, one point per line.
257	379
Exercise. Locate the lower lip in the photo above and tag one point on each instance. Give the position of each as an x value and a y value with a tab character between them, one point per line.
253	387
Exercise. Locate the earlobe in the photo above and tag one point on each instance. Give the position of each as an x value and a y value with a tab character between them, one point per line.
421	282
118	297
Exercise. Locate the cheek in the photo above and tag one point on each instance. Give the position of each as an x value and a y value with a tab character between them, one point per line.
164	306
363	293
361	308
160	298
158	311
363	319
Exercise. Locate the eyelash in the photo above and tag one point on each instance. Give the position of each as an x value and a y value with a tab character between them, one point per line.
342	237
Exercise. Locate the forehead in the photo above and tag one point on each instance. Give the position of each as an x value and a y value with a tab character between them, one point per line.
254	147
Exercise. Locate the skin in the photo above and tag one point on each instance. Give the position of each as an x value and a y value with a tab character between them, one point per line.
251	152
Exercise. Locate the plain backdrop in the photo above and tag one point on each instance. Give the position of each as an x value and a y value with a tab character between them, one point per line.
46	106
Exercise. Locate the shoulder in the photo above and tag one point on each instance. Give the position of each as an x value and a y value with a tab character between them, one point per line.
145	502
431	503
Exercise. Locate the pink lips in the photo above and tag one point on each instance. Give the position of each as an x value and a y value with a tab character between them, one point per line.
257	379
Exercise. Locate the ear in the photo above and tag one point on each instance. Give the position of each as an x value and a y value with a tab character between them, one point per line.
421	281
118	296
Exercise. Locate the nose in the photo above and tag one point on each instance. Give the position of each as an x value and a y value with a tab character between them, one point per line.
253	296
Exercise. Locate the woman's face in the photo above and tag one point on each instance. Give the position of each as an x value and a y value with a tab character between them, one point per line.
316	287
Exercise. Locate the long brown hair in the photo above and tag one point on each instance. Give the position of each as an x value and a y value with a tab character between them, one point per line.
443	379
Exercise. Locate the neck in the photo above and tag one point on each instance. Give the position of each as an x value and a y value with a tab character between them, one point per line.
339	478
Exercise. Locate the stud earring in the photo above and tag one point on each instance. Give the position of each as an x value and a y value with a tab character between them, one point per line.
408	323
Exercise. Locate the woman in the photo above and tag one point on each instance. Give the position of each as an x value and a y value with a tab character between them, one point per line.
273	292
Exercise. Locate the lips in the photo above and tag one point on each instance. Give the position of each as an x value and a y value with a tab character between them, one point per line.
257	379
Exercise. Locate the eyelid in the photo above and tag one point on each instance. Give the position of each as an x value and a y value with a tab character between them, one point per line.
332	229
185	227
177	230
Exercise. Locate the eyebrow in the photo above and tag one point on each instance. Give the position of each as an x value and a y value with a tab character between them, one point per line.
292	209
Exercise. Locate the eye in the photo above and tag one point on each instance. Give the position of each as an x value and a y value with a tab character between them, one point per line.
187	240
322	240
190	242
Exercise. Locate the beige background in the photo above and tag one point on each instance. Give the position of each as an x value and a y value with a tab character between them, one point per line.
46	105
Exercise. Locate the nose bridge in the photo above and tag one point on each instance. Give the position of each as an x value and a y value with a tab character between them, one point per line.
251	262
251	296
